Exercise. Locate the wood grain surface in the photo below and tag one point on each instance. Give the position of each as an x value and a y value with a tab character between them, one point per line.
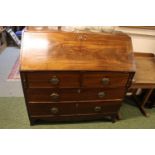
76	51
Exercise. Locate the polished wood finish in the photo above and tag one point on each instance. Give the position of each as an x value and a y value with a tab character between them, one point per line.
47	95
73	79
45	109
144	77
95	79
75	76
101	94
145	73
43	79
59	51
99	107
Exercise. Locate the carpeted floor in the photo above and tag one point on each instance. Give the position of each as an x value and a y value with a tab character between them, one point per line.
14	73
8	59
13	115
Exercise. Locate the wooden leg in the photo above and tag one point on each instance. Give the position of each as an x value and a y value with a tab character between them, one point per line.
141	105
113	118
146	97
32	122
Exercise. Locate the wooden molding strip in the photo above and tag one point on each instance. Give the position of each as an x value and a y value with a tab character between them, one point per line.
141	27
131	30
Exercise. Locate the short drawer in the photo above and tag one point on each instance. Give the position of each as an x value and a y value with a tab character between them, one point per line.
52	95
53	79
99	107
52	108
102	94
103	79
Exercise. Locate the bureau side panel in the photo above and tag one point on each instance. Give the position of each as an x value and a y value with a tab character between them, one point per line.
24	86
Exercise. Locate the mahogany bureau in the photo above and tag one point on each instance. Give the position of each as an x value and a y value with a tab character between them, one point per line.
74	76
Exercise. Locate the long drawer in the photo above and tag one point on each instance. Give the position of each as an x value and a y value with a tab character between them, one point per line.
76	79
73	108
55	95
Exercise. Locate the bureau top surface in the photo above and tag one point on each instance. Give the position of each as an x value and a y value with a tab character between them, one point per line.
76	51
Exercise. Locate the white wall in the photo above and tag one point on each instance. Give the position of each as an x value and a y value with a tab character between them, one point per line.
142	40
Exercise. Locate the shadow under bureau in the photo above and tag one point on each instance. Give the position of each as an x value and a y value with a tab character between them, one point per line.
68	76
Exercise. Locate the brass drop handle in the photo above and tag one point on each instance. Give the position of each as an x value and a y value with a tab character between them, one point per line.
98	108
54	110
101	94
54	80
105	81
55	96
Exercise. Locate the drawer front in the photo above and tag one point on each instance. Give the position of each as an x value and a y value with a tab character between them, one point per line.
99	107
52	95
102	94
52	108
100	79
74	108
52	80
56	95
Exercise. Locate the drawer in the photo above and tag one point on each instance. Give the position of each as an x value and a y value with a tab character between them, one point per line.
52	108
102	94
103	79
74	108
52	95
53	79
56	95
99	107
